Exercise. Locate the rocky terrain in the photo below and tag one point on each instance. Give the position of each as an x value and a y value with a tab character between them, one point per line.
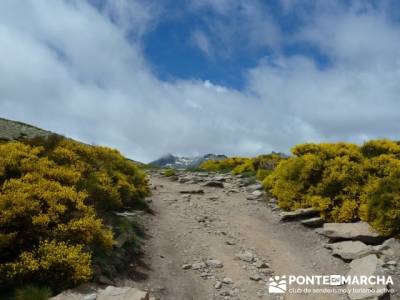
217	237
12	130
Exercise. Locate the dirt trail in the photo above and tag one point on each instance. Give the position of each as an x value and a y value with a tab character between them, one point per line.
220	225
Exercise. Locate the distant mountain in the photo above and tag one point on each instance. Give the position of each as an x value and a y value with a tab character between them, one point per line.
176	162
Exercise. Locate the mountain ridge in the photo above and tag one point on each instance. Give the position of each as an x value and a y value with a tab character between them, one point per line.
182	162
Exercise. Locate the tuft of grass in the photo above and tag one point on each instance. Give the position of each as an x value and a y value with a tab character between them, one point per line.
31	292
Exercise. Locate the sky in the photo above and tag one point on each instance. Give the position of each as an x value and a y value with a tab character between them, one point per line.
191	77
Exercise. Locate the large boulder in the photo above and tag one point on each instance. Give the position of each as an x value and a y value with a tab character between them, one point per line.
360	231
365	266
349	250
301	213
390	248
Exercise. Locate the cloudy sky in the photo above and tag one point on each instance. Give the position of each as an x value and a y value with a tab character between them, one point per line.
190	77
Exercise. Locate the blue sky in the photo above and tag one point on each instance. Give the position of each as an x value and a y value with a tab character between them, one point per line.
182	57
192	77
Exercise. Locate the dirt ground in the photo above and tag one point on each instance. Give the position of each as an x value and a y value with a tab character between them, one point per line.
223	225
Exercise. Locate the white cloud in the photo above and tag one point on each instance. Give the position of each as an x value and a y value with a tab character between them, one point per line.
200	40
67	67
238	25
135	17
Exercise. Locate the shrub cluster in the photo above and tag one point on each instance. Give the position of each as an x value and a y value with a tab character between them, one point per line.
345	182
261	166
54	193
169	172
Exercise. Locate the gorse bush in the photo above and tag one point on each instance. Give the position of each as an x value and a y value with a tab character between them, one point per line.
54	194
169	173
343	181
260	166
224	165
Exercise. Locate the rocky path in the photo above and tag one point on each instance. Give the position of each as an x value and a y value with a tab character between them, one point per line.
220	245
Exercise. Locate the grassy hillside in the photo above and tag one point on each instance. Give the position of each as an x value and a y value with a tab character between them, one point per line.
13	130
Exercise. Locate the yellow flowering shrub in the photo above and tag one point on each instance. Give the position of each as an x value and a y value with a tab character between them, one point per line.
245	167
68	265
343	181
54	194
223	165
111	180
378	147
261	166
380	204
34	209
169	173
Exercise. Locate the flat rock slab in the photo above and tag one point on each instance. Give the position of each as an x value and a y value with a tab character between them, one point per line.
301	213
313	222
109	293
124	293
366	266
360	231
349	250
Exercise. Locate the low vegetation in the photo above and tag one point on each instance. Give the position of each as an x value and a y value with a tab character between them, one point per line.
260	166
57	199
32	293
169	172
345	182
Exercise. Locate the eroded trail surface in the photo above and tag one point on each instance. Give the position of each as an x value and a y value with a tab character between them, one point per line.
220	245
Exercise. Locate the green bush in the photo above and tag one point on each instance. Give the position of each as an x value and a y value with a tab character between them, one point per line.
169	173
225	165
